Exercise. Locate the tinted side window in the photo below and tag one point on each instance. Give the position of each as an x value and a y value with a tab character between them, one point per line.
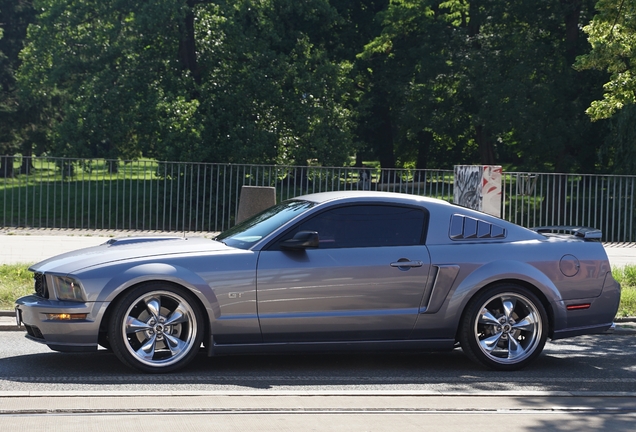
366	226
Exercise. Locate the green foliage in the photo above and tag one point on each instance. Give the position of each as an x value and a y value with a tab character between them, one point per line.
481	82
424	83
280	96
104	63
22	125
612	34
233	82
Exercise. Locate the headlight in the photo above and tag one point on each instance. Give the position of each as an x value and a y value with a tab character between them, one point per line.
67	288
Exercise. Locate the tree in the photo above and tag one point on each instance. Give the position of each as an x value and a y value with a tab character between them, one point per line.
492	82
22	126
410	84
418	83
240	81
612	34
103	62
271	91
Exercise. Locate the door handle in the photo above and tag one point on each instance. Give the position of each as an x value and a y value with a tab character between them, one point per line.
405	264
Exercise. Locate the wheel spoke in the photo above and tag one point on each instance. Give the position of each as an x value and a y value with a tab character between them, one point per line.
175	345
490	343
509	306
154	307
487	318
133	325
529	323
180	315
514	348
147	351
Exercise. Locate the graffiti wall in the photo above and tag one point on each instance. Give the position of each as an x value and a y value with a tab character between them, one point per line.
479	187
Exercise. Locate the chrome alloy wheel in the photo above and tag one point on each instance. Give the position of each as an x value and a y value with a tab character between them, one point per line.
159	329
509	328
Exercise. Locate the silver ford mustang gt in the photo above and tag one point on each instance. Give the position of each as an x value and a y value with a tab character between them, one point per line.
329	271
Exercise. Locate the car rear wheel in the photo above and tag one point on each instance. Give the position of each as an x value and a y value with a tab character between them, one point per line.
156	328
504	328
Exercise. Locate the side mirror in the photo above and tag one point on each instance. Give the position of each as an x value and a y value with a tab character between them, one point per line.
302	240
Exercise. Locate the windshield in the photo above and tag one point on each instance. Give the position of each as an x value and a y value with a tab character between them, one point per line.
250	231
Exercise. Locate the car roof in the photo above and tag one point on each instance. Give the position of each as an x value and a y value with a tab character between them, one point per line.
322	197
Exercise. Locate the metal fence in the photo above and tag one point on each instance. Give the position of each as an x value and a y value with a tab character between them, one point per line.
600	201
42	192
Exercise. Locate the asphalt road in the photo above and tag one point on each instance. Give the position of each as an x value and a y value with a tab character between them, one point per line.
602	363
578	384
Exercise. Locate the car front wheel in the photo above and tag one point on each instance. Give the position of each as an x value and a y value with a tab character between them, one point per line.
504	328
156	328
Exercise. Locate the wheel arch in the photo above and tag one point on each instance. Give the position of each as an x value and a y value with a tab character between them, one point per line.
547	305
112	306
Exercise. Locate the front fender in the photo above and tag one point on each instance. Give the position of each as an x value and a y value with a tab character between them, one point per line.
159	272
224	285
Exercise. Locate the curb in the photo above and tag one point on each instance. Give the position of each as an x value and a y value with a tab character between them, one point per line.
7	321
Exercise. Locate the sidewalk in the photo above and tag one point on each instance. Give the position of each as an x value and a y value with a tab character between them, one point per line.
30	246
333	410
33	245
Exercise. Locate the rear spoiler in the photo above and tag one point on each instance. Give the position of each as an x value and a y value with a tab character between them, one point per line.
587	233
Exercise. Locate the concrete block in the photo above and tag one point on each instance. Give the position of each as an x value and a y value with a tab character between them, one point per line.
479	187
253	200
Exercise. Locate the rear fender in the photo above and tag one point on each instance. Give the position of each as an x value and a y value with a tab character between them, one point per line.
505	271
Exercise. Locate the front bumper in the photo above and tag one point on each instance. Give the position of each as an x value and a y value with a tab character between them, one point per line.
60	335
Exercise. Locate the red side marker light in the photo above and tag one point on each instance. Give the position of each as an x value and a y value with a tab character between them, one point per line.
578	306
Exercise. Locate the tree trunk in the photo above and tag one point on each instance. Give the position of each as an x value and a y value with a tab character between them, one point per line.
572	17
27	160
424	142
385	136
486	146
6	166
113	166
187	46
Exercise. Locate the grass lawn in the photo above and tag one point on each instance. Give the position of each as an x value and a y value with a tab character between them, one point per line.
16	281
626	276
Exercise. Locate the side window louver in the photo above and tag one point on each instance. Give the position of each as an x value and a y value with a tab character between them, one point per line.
465	228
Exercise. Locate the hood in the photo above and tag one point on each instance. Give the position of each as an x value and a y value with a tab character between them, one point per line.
127	248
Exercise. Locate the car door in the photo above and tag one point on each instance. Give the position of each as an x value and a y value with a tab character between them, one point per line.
365	281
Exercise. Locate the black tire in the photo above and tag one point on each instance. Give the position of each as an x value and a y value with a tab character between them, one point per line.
156	328
102	339
504	327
